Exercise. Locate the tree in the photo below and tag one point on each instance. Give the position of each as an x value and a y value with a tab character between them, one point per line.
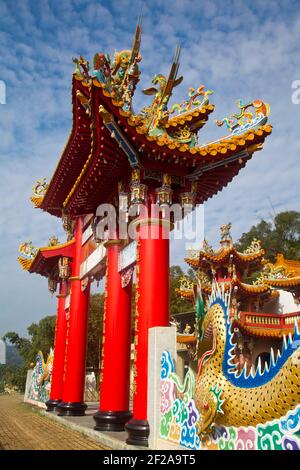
12	376
42	336
95	333
282	235
41	339
177	304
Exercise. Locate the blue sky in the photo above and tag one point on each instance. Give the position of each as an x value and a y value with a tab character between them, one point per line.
240	49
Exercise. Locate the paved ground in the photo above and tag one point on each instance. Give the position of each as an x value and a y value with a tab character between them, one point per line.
21	427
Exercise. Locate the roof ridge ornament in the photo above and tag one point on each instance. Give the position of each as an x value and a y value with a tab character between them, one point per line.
226	238
197	98
53	241
39	191
253	248
27	253
27	250
240	122
120	77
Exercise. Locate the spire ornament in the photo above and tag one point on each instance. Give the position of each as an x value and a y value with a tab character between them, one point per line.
39	191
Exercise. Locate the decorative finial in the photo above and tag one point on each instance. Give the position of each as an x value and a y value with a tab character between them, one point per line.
53	241
226	237
250	115
39	191
27	250
207	247
254	247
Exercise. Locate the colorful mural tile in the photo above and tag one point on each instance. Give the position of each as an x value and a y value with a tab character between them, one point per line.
179	417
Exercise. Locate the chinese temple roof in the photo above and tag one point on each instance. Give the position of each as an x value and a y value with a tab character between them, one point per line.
227	254
283	274
74	154
108	139
44	260
223	256
245	289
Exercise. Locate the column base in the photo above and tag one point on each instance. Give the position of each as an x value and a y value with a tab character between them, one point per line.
138	432
71	408
52	405
111	420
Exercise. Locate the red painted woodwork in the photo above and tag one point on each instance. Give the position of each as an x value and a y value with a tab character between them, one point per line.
77	334
59	346
269	320
153	300
115	373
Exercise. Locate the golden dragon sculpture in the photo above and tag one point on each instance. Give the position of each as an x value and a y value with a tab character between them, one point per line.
227	397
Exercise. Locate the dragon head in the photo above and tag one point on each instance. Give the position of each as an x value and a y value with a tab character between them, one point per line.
159	80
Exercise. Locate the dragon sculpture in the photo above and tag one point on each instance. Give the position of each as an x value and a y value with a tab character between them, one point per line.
39	389
156	115
230	397
198	97
44	368
245	119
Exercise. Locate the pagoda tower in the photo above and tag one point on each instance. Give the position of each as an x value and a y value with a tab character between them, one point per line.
122	168
259	312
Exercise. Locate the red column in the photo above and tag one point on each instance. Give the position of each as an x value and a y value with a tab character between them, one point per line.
152	310
59	350
115	365
73	393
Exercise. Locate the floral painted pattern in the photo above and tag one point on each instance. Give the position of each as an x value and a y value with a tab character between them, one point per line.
179	417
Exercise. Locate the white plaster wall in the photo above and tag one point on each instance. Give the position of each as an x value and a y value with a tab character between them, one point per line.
285	303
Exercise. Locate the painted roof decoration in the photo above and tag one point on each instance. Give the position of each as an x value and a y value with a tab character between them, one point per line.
39	191
207	257
230	269
44	260
109	138
284	274
27	252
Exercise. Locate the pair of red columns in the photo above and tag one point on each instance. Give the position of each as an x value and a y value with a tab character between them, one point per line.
152	309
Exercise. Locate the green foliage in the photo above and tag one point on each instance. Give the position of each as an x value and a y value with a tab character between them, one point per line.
12	376
41	339
177	304
280	236
95	332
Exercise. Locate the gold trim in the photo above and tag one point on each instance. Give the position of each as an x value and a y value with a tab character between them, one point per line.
56	247
25	263
113	242
75	278
153	221
37	201
213	149
82	173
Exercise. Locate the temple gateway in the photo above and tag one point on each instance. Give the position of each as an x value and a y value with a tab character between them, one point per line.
133	162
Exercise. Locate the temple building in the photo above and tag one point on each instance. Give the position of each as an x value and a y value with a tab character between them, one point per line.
264	301
131	162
